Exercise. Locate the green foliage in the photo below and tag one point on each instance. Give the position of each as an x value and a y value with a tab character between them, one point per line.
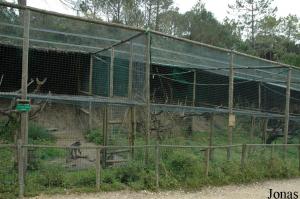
38	133
8	174
94	136
8	130
79	178
52	177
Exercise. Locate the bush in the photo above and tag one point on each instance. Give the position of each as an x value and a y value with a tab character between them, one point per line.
52	176
7	130
186	168
37	134
80	178
94	136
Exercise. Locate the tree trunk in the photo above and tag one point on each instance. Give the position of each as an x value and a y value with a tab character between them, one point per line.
252	25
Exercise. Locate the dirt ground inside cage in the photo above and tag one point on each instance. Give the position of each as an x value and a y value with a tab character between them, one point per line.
251	191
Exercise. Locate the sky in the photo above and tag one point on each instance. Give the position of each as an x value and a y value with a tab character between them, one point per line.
217	7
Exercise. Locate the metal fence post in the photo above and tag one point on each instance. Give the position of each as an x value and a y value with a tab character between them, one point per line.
98	168
20	168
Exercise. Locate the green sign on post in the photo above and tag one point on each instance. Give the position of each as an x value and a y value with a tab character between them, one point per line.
23	105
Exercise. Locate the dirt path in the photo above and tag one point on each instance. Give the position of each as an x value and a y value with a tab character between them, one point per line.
253	191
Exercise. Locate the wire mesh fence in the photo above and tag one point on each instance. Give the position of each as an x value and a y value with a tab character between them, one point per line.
167	166
8	171
167	101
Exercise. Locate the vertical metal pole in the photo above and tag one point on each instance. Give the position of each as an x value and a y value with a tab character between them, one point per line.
287	109
230	103
91	76
130	71
147	79
24	115
211	132
98	168
20	168
111	73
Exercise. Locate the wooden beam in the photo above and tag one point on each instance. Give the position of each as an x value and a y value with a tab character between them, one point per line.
130	71
259	95
211	132
20	168
111	73
194	88
147	94
25	54
157	162
230	103
243	157
105	126
299	158
91	76
287	109
265	130
252	129
98	168
207	160
132	130
90	115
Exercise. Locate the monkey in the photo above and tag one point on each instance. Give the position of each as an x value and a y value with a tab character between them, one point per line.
74	153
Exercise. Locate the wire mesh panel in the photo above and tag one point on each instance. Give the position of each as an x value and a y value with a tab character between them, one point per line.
8	172
68	33
88	88
11	31
60	168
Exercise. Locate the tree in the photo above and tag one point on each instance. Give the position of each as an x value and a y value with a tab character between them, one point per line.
22	2
201	25
290	27
153	9
250	13
267	38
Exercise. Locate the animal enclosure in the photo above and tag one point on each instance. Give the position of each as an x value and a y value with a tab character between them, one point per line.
105	95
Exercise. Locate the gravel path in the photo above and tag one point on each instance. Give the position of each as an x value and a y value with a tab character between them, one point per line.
253	191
